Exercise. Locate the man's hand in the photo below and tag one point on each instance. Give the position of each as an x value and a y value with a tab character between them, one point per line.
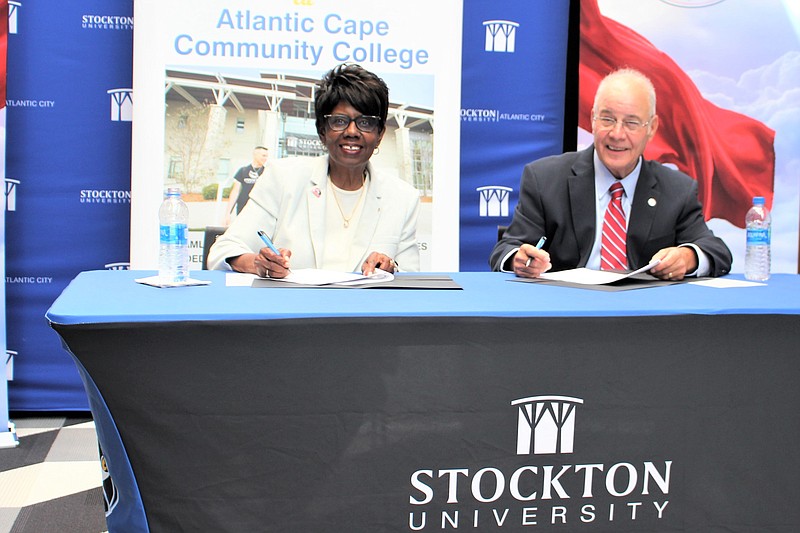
531	262
675	263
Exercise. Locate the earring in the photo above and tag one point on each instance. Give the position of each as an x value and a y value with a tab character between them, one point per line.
377	150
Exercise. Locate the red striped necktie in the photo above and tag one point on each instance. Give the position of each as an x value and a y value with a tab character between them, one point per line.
613	250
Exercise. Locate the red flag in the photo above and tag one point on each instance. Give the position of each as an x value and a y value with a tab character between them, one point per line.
731	156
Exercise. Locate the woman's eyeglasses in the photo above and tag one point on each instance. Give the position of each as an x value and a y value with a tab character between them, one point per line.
365	123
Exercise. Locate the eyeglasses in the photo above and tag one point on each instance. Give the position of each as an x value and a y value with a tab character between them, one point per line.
609	123
365	123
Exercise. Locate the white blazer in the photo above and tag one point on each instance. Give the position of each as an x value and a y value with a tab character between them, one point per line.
288	202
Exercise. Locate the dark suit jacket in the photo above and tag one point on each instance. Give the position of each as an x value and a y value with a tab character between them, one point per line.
557	199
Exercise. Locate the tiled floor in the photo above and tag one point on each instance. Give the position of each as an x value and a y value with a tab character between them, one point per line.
51	482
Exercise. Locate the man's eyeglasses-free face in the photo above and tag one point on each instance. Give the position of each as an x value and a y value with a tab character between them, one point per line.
365	123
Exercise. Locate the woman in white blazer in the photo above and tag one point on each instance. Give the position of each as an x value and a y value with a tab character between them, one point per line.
335	212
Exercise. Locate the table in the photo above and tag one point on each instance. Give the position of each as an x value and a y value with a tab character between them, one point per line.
504	406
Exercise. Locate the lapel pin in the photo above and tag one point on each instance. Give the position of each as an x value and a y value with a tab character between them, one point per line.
316	192
651	202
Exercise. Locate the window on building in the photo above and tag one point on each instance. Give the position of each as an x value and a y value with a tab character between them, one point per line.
300	109
223	169
175	170
422	166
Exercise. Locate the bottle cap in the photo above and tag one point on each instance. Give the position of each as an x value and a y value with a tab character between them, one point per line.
758	200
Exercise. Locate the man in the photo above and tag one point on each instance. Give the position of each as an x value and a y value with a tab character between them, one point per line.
564	198
244	179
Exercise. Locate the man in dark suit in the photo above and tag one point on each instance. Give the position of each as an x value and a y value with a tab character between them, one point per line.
564	198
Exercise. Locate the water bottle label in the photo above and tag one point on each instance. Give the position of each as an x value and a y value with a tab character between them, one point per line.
757	237
174	234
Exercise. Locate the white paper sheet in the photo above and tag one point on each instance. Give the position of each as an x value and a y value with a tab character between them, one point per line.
155	281
316	276
239	279
587	276
724	283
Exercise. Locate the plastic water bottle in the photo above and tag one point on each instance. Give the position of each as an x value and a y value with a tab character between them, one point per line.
173	254
759	233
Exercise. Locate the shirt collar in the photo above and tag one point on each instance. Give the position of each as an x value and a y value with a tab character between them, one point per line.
603	178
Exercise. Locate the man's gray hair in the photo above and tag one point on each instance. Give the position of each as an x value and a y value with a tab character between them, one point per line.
631	74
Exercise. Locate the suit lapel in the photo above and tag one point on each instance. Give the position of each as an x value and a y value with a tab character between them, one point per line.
643	213
316	196
582	202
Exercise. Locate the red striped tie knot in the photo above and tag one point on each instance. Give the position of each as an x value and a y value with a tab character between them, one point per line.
616	190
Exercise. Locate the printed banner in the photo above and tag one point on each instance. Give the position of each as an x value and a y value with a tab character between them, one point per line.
67	176
242	74
512	111
726	101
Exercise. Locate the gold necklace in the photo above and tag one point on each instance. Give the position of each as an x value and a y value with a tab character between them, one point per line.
341	211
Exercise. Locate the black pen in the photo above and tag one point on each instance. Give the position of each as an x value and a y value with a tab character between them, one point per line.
538	247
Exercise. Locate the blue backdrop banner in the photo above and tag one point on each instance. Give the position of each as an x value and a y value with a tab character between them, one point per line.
514	64
67	176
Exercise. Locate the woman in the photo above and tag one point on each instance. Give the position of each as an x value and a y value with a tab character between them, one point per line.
335	212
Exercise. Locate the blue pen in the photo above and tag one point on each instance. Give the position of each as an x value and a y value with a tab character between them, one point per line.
538	247
268	242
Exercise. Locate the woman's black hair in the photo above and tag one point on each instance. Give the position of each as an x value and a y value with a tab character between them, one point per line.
361	88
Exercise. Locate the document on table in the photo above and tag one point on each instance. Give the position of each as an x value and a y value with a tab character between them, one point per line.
239	279
156	281
725	283
378	281
318	277
587	276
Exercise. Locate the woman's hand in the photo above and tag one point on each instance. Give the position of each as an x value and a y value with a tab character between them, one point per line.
264	264
270	265
378	260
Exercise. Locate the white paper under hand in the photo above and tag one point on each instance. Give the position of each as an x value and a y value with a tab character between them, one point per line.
316	276
587	276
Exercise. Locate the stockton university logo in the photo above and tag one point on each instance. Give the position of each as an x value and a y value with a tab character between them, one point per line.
501	36
121	105
493	201
11	194
546	424
13	10
540	488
